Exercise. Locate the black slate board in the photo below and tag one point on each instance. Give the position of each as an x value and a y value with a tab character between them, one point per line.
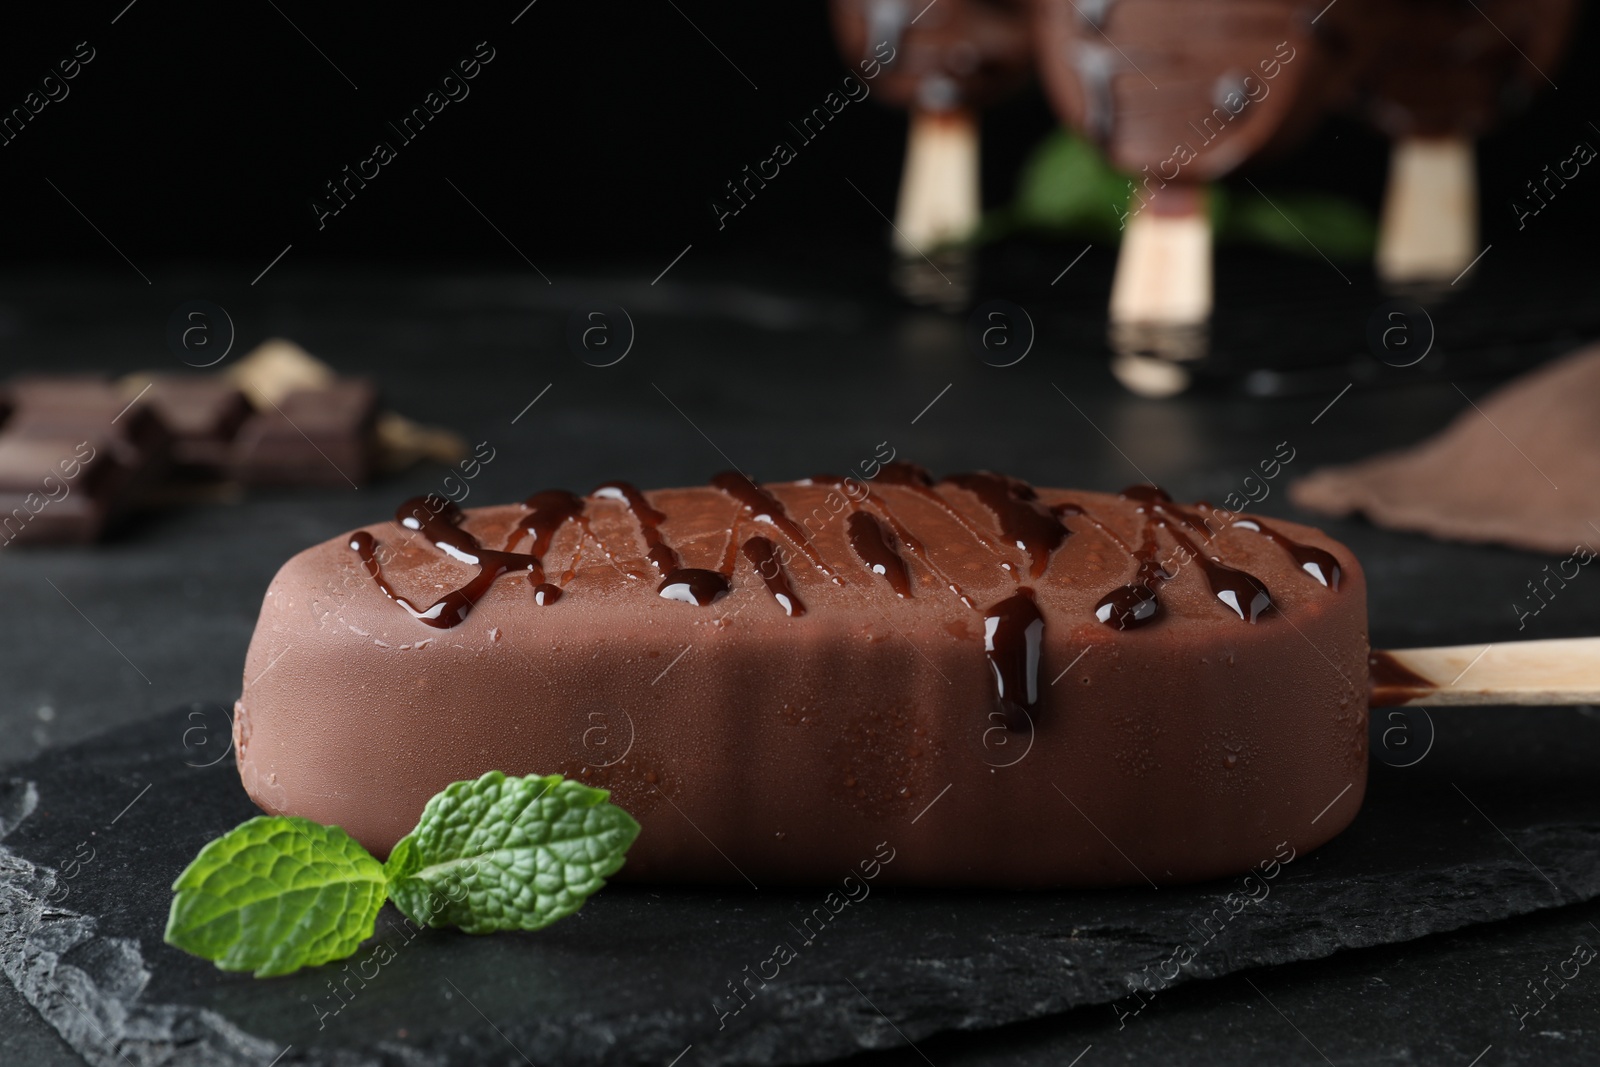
1500	818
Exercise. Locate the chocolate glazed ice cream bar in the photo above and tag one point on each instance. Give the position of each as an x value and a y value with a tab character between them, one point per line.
1437	75
1177	93
942	63
1014	687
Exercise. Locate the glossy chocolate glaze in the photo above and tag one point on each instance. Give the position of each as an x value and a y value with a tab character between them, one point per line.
1392	682
763	556
1013	628
872	543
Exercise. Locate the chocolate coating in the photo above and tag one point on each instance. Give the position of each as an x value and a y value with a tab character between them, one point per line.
939	57
995	732
1452	67
1188	89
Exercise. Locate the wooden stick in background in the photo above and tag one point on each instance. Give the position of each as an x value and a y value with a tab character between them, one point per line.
939	199
1161	296
1517	673
1429	231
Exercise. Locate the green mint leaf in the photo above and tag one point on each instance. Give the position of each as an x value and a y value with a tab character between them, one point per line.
274	895
1299	223
508	853
1067	186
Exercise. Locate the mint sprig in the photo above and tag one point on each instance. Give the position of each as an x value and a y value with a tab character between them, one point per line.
279	893
508	853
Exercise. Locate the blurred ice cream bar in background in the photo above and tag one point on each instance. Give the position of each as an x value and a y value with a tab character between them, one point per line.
1177	93
942	62
1441	74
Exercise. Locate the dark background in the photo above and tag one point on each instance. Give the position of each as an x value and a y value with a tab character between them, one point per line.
600	132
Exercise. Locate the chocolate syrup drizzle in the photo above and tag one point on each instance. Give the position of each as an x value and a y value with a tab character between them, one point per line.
762	506
1131	606
763	555
547	511
1013	628
692	585
917	479
1243	593
1321	565
1391	683
657	551
1024	521
872	543
1013	642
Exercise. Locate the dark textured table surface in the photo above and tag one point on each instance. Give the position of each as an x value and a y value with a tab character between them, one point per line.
785	375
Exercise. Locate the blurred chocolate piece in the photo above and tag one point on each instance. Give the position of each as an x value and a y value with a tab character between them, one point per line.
56	491
1519	467
203	411
276	368
312	437
402	443
91	409
60	390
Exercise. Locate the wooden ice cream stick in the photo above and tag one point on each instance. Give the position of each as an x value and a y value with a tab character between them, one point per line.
1556	672
939	200
1161	295
1164	269
1429	230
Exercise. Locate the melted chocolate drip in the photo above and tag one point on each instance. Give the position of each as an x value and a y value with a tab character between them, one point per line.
547	511
763	555
1134	605
919	481
692	585
1023	520
871	542
657	551
1392	683
1147	495
1013	628
1013	641
909	476
1321	565
1130	606
1244	593
764	507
